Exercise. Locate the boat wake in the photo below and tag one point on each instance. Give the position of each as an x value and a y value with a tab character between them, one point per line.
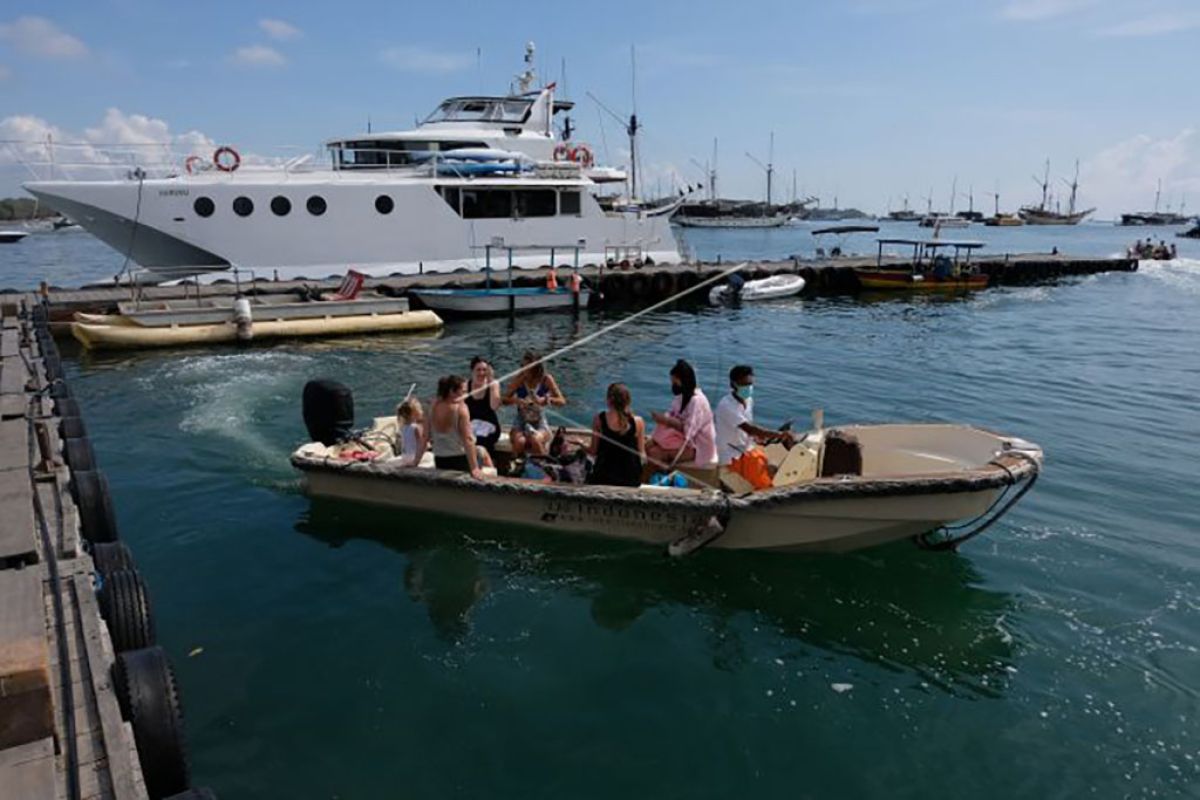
232	399
1182	274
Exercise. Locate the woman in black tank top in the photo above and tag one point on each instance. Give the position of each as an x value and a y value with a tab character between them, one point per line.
618	441
483	398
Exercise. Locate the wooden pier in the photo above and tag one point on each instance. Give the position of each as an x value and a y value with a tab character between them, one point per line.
631	286
64	732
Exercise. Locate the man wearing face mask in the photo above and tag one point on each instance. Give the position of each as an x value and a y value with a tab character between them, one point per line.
736	431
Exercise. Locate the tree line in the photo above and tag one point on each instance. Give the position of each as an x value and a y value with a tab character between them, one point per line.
13	208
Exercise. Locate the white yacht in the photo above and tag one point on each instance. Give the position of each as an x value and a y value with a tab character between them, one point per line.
479	171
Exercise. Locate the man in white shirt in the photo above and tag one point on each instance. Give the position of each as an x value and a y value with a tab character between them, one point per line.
736	431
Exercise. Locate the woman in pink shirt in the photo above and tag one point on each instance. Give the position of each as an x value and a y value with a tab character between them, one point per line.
685	434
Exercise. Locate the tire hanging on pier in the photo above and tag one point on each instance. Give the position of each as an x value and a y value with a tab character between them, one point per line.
125	606
639	286
686	280
79	454
72	428
663	284
149	700
110	557
89	489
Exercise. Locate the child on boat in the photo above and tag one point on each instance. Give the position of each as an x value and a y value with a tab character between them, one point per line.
413	441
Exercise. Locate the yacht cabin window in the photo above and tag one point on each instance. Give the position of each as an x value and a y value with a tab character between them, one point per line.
497	203
568	203
385	153
482	109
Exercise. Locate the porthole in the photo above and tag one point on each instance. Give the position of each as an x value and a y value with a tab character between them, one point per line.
316	205
281	206
204	206
243	206
384	204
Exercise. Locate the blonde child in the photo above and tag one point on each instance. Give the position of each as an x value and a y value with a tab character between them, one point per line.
413	439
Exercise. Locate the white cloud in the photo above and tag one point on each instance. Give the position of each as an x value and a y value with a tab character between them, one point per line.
1153	25
280	30
414	58
1030	10
1124	177
257	55
120	139
38	36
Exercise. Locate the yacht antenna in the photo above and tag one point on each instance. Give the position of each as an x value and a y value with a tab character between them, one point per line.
632	128
567	128
1157	195
479	66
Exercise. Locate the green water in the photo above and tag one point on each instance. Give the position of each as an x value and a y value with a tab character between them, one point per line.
350	652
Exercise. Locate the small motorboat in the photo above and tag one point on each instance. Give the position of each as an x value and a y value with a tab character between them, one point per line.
837	489
771	288
1190	233
11	236
930	270
501	300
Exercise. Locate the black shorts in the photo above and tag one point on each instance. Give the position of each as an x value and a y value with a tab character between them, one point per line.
457	463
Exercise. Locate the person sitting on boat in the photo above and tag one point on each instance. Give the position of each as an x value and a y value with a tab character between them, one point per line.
618	441
483	400
736	431
413	440
685	434
533	389
1174	250
449	430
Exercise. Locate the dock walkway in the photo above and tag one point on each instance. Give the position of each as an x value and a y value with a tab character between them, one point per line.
62	729
626	287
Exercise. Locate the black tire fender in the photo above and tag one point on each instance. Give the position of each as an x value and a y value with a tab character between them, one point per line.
125	606
96	517
110	557
79	454
149	700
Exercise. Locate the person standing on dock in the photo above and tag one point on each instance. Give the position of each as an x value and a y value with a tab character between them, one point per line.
736	431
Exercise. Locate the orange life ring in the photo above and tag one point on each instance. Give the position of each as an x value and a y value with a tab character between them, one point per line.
582	155
562	153
191	163
226	150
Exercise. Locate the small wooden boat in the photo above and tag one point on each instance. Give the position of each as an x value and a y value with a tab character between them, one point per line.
500	299
771	288
215	320
12	236
729	222
906	481
929	271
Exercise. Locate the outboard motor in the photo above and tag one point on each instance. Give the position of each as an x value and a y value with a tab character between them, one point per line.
328	411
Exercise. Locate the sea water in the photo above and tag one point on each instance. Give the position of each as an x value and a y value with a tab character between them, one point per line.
331	650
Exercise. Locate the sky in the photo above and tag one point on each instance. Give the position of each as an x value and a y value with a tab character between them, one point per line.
869	101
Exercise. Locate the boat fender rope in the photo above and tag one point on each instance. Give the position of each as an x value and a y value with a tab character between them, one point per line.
926	541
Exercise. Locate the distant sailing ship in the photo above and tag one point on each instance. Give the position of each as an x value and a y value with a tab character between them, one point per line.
1156	217
1043	214
905	214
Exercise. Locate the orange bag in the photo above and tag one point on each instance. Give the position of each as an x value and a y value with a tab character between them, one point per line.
752	465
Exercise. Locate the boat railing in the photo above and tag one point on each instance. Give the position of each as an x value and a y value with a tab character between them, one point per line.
48	159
